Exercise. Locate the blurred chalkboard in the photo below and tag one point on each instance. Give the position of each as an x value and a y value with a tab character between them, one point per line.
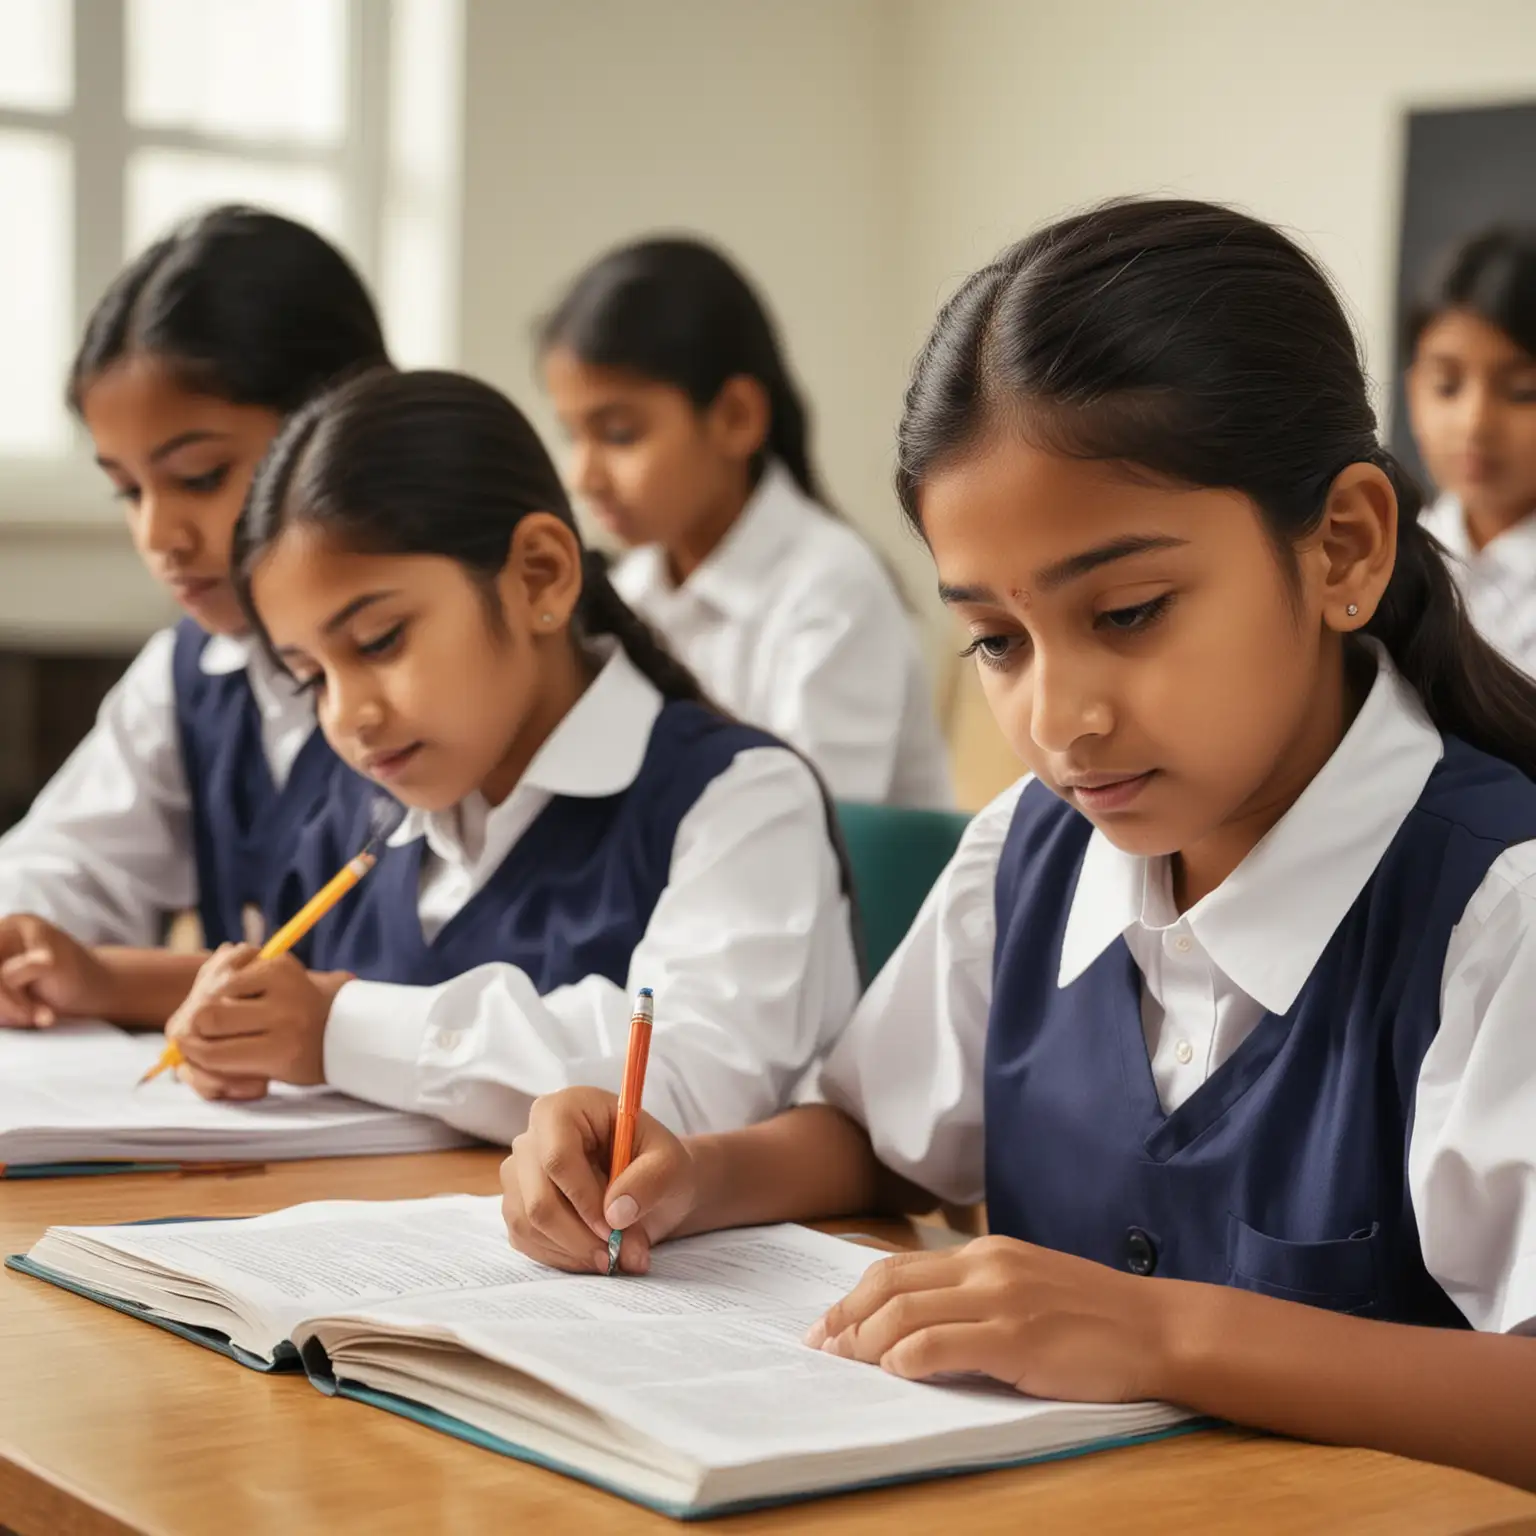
1466	169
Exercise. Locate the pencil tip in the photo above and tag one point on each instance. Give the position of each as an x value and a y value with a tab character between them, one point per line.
384	818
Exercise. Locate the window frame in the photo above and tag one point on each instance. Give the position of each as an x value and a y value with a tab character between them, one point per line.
52	489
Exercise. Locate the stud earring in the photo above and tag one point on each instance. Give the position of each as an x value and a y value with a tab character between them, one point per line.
1352	609
547	618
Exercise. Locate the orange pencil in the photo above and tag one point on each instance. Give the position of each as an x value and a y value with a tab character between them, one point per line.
287	936
629	1101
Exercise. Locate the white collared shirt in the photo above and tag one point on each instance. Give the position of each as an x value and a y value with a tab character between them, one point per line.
792	624
1498	581
749	949
909	1066
106	850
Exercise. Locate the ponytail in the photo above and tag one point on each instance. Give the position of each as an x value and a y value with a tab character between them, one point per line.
602	611
789	438
1469	690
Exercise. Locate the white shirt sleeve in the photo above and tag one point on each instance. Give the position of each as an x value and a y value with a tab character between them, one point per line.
106	850
836	686
749	953
1472	1154
909	1067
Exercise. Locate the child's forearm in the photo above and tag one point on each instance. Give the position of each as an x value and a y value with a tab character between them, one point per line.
144	987
807	1164
1436	1394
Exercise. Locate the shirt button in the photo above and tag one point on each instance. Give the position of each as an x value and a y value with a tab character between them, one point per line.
449	1038
1182	944
1140	1252
1184	1053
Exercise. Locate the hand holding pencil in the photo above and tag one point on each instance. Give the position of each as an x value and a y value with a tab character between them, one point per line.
383	816
593	1166
283	940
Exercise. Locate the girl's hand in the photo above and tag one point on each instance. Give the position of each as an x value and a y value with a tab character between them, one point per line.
248	1021
45	975
555	1195
1045	1322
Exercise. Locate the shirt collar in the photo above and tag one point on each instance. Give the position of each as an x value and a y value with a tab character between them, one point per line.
225	654
1266	925
276	695
732	578
1514	550
595	751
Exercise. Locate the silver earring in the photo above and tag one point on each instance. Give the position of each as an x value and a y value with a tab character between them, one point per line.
547	618
1353	609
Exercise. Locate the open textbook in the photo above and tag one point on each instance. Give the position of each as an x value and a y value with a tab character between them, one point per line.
687	1389
68	1100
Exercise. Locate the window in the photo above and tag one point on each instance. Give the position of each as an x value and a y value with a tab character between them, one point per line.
36	179
120	117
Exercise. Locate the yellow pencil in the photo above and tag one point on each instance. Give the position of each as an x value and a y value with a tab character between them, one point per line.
286	937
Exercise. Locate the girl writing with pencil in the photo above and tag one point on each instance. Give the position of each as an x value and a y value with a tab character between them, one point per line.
691	443
1472	397
1226	1008
203	764
580	821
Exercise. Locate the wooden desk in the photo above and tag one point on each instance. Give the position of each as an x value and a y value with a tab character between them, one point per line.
107	1425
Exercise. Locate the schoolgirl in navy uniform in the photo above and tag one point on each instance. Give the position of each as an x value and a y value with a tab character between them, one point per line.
581	822
691	441
1227	1010
203	763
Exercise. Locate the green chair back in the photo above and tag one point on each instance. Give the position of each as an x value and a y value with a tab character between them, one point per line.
895	854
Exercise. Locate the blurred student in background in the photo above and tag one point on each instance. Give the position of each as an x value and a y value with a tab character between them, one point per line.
203	762
1472	398
691	443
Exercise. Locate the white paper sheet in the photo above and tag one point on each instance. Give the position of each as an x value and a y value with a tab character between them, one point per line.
69	1094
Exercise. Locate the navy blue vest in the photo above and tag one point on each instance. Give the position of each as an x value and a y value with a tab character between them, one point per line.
1285	1172
244	831
573	897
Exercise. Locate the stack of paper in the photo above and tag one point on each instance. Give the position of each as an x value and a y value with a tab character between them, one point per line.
68	1095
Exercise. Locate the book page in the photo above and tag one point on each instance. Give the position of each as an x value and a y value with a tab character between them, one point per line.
705	1353
329	1254
71	1094
65	1048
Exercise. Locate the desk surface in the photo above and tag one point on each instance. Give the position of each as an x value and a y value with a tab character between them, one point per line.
107	1425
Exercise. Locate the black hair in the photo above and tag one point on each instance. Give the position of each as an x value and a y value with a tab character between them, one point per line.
1204	346
241	304
678	311
1492	276
436	463
429	463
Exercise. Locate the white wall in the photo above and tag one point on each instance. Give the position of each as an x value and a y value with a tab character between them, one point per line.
859	156
764	125
1016	112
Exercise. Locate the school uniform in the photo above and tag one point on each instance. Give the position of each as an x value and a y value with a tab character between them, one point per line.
648	844
1315	1083
1498	582
202	766
793	624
